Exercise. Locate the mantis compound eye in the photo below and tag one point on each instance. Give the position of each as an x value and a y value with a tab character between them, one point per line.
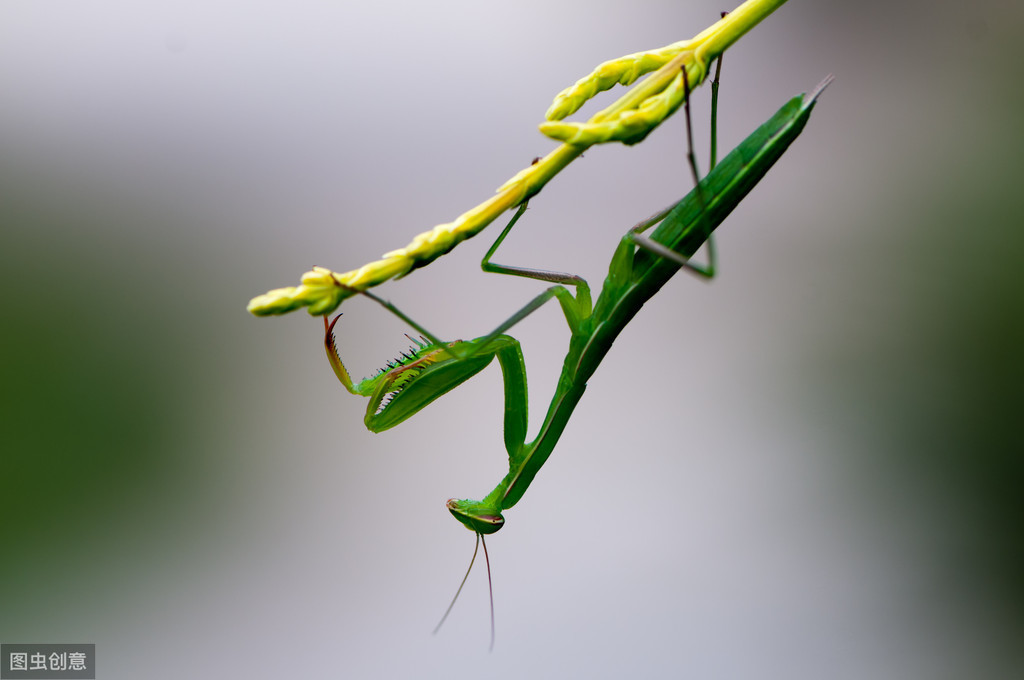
476	516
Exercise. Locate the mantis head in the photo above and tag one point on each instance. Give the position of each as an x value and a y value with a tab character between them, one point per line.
478	517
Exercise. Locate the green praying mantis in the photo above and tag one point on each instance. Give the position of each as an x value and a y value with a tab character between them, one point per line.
640	266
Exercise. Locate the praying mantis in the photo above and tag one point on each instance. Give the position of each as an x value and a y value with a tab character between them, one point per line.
640	266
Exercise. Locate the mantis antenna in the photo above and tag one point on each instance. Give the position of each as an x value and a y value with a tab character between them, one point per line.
490	588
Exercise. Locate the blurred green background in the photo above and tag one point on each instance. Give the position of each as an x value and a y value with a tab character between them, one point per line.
811	467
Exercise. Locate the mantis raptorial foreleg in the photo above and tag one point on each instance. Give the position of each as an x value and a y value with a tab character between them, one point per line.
433	367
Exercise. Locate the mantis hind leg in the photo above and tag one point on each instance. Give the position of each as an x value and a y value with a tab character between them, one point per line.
635	234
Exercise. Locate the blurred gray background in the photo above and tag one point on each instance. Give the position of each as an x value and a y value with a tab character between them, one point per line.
810	467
